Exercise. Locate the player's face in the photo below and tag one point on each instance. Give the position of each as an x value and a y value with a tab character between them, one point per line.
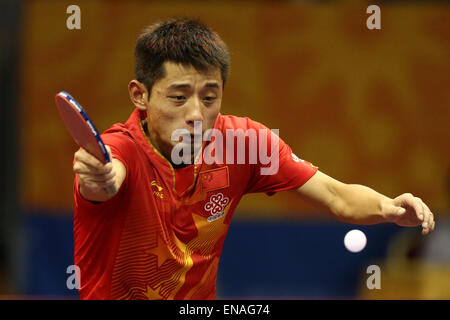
184	96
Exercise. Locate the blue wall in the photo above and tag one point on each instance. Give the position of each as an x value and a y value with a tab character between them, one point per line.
297	259
260	259
49	253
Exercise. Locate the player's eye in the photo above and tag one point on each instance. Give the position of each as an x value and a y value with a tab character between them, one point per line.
177	98
209	99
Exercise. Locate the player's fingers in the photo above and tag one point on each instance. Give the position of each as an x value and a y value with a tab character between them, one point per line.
92	186
86	166
97	178
408	202
106	183
416	204
425	223
96	186
428	224
109	152
82	154
83	168
87	158
430	216
427	218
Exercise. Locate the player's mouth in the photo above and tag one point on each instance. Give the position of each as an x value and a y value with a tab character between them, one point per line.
196	136
190	138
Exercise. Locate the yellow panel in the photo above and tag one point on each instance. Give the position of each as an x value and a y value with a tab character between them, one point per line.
367	107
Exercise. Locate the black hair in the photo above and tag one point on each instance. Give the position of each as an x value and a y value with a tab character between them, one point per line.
180	40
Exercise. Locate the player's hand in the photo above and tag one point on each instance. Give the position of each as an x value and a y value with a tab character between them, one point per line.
409	211
93	176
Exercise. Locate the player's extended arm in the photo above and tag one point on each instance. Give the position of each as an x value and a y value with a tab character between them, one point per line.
94	176
359	204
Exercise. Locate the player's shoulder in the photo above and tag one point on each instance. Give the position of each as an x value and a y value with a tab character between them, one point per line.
119	136
225	122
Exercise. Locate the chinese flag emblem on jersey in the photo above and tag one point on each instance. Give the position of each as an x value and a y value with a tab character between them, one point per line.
214	179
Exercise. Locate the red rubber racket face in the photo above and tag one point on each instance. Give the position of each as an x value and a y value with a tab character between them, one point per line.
79	126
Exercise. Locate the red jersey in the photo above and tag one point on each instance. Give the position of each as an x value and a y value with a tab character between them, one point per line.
161	235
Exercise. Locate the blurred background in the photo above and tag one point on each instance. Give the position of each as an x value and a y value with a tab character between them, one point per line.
370	107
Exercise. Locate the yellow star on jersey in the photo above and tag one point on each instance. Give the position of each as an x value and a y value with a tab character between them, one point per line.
161	251
153	294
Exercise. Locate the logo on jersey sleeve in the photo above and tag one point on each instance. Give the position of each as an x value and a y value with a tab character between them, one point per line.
216	206
297	159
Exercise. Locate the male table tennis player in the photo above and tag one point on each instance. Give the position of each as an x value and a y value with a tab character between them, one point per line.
160	236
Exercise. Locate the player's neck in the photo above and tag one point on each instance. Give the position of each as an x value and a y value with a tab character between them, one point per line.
165	153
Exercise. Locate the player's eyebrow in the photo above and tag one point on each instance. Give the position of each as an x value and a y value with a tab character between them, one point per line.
211	84
179	86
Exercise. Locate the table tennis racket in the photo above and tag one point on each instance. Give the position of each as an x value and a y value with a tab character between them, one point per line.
82	129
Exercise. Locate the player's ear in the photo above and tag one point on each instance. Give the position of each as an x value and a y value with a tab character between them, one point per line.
138	94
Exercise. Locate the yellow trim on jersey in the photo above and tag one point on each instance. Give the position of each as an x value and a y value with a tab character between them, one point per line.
158	153
171	167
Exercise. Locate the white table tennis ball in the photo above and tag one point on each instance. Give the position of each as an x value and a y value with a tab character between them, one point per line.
355	240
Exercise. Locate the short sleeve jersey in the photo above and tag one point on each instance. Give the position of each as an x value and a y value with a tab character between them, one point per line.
161	235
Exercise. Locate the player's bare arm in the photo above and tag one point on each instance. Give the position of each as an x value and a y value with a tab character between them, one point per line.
358	204
94	177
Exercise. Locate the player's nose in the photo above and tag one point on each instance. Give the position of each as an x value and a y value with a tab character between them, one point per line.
194	112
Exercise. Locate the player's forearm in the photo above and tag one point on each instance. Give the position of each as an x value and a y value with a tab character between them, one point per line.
359	204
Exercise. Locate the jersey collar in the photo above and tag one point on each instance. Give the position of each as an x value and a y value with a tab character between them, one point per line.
183	179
